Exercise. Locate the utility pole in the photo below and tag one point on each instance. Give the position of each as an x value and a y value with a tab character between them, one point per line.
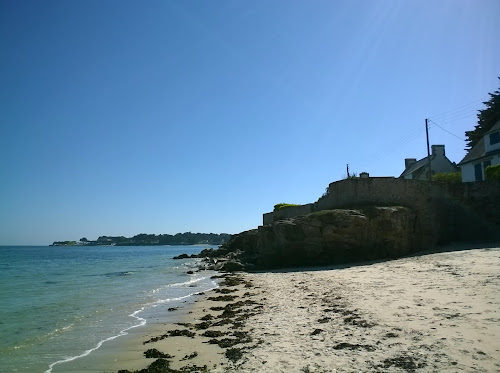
348	170
428	151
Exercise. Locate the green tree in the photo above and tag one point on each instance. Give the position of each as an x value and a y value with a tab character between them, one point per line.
486	118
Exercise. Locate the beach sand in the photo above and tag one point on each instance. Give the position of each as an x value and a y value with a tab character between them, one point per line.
433	312
437	312
207	336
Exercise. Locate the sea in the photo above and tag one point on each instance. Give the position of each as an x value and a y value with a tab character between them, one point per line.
62	303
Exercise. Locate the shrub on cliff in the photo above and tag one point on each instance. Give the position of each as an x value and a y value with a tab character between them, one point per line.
492	173
448	177
280	206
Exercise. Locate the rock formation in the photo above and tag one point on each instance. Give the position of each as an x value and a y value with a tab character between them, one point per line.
324	237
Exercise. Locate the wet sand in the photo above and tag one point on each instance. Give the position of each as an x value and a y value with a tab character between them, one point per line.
209	335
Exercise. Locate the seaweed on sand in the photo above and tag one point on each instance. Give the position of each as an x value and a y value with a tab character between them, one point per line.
240	337
350	346
213	333
190	356
408	363
203	325
230	281
163	366
154	353
234	354
223	298
225	291
172	333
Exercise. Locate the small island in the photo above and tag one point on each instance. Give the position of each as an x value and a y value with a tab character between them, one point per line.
144	239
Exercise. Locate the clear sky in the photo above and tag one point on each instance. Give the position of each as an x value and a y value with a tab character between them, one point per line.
127	117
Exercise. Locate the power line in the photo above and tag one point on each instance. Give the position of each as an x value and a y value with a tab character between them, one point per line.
446	130
391	148
458	113
446	117
454	119
482	100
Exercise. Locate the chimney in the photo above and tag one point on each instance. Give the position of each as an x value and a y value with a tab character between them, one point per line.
438	150
409	162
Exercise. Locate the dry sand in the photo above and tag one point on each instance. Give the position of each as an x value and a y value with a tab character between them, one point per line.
435	312
438	312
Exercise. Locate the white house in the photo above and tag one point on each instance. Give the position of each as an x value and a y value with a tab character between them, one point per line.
485	153
419	170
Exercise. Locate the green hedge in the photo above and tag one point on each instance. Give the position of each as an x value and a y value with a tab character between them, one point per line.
448	177
492	172
280	206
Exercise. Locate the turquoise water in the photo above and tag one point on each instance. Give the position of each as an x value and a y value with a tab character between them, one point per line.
60	303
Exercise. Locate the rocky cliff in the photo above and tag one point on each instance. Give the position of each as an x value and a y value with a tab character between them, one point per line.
324	237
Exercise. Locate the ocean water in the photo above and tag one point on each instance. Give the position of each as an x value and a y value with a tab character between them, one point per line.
61	303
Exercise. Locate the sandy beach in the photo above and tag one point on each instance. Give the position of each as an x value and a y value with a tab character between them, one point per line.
437	312
432	312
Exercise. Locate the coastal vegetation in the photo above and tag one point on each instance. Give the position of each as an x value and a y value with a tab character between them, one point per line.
64	243
448	177
280	206
144	239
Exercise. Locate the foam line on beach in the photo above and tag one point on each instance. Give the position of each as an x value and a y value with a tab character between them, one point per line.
142	322
161	301
178	284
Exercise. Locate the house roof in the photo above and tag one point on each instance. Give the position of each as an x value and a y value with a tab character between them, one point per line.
476	152
414	167
479	151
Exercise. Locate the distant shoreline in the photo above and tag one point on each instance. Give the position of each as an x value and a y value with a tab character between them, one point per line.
144	239
124	245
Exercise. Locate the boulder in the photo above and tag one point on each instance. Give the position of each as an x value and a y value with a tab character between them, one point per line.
233	266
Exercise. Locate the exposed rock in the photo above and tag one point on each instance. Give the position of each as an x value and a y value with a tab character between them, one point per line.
233	266
186	256
325	237
337	236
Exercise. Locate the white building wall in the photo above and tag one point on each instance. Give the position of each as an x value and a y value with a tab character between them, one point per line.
469	173
495	160
440	164
487	146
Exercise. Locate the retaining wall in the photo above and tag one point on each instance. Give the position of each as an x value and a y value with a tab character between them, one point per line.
445	211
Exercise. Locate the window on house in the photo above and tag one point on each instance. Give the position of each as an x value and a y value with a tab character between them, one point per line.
494	138
478	171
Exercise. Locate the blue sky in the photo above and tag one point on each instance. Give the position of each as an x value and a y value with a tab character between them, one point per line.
127	117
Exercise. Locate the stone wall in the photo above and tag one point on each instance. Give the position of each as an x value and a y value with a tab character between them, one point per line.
445	212
288	212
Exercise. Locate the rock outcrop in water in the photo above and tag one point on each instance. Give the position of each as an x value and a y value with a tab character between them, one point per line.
325	237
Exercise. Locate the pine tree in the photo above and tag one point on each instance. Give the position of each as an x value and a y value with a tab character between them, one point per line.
486	119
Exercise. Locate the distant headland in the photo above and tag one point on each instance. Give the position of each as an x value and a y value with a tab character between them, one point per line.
144	239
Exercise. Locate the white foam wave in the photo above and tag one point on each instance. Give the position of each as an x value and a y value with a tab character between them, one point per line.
179	284
141	320
161	301
100	343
